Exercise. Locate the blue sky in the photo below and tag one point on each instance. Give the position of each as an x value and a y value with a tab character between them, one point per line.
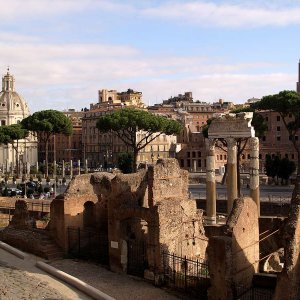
63	51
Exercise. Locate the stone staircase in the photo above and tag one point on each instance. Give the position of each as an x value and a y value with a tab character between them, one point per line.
35	241
50	249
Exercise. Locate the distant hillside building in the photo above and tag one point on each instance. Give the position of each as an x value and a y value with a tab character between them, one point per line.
13	109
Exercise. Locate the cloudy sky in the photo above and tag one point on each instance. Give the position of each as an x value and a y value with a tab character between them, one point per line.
63	51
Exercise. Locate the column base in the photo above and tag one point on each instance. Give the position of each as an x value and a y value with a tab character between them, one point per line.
211	220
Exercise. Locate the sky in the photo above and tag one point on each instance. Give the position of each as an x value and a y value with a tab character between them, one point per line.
62	52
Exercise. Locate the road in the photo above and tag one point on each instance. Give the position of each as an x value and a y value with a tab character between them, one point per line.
267	192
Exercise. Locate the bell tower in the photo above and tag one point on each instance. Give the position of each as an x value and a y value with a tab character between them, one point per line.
8	82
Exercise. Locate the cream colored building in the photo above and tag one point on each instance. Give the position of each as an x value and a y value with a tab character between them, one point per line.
13	108
102	149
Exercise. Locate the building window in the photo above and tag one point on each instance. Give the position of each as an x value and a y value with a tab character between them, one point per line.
188	154
199	153
2	122
293	156
278	138
199	163
248	156
260	156
264	138
182	163
188	163
278	128
193	154
278	118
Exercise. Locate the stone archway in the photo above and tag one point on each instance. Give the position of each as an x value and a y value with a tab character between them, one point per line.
89	215
135	241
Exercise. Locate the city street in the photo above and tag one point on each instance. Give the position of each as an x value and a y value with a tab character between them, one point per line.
267	192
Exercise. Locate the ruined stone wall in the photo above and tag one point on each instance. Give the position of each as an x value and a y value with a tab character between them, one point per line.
151	206
288	282
56	225
181	230
167	180
237	251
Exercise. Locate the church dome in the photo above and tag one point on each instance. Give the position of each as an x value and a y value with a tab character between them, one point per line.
13	108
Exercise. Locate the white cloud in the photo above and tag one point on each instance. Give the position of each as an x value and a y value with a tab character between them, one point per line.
68	75
229	15
23	10
202	13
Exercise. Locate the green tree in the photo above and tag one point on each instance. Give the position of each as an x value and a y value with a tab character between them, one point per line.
125	162
287	105
259	126
127	122
45	124
11	134
286	169
271	166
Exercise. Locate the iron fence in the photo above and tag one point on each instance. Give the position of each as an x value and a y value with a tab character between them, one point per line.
253	293
88	244
186	274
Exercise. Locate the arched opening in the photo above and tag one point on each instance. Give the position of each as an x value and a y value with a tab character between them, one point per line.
135	232
89	220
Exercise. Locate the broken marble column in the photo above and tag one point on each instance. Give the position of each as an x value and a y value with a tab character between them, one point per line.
71	168
231	173
211	200
254	171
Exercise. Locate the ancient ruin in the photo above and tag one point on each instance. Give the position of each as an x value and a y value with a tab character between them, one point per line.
288	281
21	218
139	215
233	256
231	127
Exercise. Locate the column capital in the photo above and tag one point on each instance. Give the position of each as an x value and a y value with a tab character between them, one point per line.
210	144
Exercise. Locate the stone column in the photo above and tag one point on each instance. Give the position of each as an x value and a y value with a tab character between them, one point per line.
254	171
86	166
231	173
37	167
195	165
63	169
54	169
78	166
71	168
211	199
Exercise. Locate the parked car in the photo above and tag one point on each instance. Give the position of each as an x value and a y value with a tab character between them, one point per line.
12	191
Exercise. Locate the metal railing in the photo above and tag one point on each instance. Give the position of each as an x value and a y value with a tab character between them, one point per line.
88	244
185	274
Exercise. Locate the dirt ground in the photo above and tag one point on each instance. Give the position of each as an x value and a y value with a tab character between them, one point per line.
119	286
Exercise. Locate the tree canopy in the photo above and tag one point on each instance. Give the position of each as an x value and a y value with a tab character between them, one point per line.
45	123
11	134
127	122
287	105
